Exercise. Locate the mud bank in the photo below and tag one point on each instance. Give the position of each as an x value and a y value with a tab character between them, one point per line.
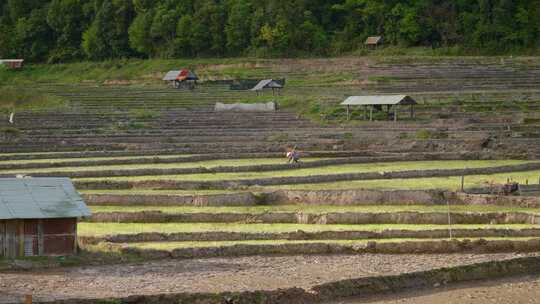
350	218
328	247
315	197
341	289
322	236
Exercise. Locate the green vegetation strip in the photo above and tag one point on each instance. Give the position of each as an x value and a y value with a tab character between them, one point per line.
169	246
316	209
89	159
102	229
337	169
203	164
137	191
450	183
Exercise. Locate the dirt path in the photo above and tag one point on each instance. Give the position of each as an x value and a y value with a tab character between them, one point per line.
518	290
217	274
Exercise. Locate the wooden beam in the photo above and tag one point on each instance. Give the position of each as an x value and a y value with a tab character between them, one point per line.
76	245
21	238
348	117
371	113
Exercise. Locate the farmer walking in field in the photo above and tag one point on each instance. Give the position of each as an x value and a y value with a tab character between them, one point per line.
293	156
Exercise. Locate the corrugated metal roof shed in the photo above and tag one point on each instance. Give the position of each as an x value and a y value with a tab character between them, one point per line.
378	100
374	40
40	198
267	84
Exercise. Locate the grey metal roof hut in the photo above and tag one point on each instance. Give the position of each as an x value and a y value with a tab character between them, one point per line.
267	84
381	100
38	216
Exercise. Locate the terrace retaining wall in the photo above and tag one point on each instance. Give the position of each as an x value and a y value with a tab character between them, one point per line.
348	218
232	199
418	247
500	200
302	235
315	197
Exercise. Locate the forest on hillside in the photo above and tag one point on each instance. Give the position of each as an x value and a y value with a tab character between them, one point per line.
71	30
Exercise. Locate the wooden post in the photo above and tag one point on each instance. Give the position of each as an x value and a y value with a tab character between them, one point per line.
395	112
348	117
462	183
28	299
371	113
40	238
365	112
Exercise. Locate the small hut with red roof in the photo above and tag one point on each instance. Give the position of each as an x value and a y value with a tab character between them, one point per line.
182	78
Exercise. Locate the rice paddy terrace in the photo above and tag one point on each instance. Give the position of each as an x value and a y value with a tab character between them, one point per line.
167	177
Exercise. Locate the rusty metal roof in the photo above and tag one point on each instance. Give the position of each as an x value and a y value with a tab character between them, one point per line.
378	100
40	198
374	40
180	75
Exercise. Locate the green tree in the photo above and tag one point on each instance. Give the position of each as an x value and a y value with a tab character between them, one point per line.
238	25
67	19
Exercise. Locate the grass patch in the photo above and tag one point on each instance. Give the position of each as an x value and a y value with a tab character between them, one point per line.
450	183
202	164
336	169
144	114
27	99
82	159
102	229
136	191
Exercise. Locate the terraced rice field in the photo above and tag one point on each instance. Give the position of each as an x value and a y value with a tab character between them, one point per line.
168	177
152	159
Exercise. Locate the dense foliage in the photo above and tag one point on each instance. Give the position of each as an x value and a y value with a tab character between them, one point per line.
66	30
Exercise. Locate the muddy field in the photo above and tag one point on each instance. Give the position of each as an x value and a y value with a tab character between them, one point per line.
520	290
217	274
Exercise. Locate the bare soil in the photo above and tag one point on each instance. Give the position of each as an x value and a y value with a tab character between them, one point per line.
518	290
218	274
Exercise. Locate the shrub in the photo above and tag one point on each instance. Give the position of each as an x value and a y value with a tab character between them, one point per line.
429	134
144	114
23	98
10	133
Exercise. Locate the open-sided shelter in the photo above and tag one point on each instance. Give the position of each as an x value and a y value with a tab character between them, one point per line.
182	78
268	84
38	216
13	64
378	102
373	41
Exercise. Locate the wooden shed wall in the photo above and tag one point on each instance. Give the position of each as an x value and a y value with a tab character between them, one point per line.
38	237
